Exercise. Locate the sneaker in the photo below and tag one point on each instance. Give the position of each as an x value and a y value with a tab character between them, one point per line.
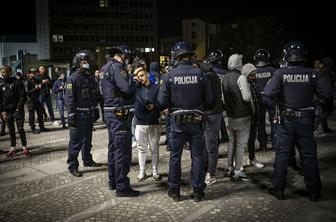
55	123
239	176
141	176
210	180
43	129
11	152
228	172
255	163
156	176
26	152
35	131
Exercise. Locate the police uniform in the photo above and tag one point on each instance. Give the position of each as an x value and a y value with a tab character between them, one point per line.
118	90
294	87
184	91
81	103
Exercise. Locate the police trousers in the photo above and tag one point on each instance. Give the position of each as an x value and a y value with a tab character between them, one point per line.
80	140
119	149
196	136
300	131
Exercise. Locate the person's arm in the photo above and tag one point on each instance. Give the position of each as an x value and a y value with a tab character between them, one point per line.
126	85
244	87
164	92
22	95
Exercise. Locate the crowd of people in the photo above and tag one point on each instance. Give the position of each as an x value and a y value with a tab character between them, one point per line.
194	96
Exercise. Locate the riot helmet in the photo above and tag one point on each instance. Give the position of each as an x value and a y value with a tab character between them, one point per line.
181	48
261	57
82	55
294	52
215	56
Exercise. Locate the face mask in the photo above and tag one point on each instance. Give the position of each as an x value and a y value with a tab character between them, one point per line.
86	66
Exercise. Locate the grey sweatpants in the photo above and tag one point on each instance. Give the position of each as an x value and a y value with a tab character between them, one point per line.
239	129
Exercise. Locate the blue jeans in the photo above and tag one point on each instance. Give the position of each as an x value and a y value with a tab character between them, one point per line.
60	105
47	100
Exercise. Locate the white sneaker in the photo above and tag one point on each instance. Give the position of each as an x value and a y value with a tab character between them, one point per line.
156	176
209	180
240	176
255	163
141	176
55	123
134	144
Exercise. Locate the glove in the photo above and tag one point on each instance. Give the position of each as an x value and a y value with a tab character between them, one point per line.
72	120
95	114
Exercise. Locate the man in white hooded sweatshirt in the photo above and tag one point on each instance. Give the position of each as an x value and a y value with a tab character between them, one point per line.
237	96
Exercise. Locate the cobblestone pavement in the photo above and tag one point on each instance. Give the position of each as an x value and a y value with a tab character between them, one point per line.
39	188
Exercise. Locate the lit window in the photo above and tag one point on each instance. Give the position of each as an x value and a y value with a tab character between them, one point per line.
103	3
57	38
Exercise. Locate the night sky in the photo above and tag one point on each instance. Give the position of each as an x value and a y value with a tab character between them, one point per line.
309	22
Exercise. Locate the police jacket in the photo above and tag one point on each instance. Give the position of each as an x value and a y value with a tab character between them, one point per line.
185	87
236	106
12	95
217	104
218	69
80	92
57	89
293	87
264	73
33	93
117	86
147	95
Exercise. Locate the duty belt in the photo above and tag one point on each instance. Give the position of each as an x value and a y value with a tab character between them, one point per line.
113	108
302	113
183	116
83	109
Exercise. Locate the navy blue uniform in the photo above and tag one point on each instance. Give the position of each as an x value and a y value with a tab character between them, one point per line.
293	87
264	74
81	101
185	89
118	90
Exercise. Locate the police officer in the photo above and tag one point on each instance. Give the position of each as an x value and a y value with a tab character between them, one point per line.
12	99
215	58
118	88
264	73
82	108
185	91
293	87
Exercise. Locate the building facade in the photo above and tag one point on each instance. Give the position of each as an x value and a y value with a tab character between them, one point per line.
200	34
65	26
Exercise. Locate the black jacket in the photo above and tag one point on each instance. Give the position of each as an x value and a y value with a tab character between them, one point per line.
12	95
